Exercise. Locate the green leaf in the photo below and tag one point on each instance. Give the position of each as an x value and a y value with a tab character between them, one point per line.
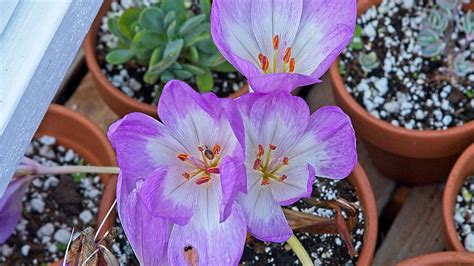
177	6
170	17
170	55
155	57
205	6
205	82
207	46
78	176
167	76
224	67
194	69
358	31
146	40
119	56
183	74
191	24
171	29
213	60
126	20
192	54
112	23
152	19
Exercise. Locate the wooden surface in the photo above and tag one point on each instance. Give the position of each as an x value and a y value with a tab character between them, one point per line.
416	223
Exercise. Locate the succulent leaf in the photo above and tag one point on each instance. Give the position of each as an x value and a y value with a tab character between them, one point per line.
462	66
191	24
224	67
468	24
152	19
434	49
155	57
194	69
205	82
119	56
448	4
205	6
126	20
369	61
112	23
176	6
437	20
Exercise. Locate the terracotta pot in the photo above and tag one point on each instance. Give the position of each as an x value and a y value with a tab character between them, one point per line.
118	101
468	6
75	131
441	259
408	156
361	183
463	168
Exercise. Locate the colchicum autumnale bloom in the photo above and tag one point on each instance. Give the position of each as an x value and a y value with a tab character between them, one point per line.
187	172
285	149
285	44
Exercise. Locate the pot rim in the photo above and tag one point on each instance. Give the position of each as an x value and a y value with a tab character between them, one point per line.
453	185
93	65
358	178
440	258
107	156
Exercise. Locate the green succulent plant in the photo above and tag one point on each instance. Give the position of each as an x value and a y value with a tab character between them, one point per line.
170	40
369	61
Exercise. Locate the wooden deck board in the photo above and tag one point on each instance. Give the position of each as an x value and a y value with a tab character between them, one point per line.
417	229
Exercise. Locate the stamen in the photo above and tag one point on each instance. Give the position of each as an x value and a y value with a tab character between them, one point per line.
292	65
260	150
213	170
285	161
183	156
203	180
216	149
265	181
275	42
186	175
201	149
287	56
272	147
264	62
283	178
257	164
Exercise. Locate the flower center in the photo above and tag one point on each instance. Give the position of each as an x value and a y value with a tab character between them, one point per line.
282	60
269	166
203	167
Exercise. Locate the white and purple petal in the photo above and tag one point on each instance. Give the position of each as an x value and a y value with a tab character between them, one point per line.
297	185
329	144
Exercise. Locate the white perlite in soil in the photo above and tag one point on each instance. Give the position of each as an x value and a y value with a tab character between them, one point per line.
130	80
405	89
52	206
464	214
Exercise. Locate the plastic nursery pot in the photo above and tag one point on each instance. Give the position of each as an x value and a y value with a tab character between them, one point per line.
75	131
463	168
361	183
407	156
450	258
118	101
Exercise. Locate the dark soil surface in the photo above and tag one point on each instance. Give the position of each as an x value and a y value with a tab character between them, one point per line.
464	214
324	249
52	206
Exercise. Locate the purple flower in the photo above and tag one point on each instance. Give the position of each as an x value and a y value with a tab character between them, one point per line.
12	199
187	172
287	42
285	149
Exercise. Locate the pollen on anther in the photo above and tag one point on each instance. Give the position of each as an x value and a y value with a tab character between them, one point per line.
256	164
186	175
203	180
213	170
283	178
285	161
216	149
287	55
272	147
276	41
183	156
292	65
263	61
260	150
265	182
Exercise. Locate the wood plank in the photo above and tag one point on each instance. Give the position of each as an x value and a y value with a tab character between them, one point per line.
86	100
321	95
416	230
75	72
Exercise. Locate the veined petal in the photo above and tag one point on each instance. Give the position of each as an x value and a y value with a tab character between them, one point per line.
297	185
11	206
148	235
233	181
232	33
167	194
279	119
329	144
265	218
284	82
326	28
275	18
212	242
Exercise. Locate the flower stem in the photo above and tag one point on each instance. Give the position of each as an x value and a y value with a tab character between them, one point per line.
299	250
69	169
